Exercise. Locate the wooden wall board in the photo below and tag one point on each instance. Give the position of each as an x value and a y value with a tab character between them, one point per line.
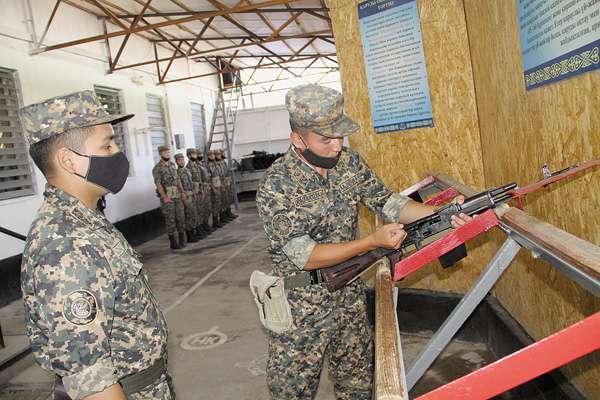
521	130
489	131
452	146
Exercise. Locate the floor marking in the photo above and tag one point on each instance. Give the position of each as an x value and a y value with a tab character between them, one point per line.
204	340
201	281
254	366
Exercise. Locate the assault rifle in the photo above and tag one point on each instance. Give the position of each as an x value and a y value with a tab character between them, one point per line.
416	232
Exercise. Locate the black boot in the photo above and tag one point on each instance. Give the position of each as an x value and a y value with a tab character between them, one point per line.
224	218
230	214
181	240
191	238
174	244
216	223
199	232
207	228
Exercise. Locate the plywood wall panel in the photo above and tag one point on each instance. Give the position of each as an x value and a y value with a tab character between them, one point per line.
452	146
489	131
520	131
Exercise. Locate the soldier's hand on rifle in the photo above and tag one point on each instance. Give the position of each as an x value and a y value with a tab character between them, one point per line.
462	218
389	236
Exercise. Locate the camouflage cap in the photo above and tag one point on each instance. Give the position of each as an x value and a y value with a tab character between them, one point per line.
59	114
190	151
319	109
178	155
210	152
163	148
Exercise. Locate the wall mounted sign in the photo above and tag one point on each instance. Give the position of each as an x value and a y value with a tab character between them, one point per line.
559	39
395	65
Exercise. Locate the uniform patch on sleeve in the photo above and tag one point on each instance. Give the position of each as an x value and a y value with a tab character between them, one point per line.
80	308
282	225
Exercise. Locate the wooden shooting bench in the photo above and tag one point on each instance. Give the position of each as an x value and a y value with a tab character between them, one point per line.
576	258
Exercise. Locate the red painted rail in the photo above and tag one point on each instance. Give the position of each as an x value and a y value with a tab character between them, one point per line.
524	365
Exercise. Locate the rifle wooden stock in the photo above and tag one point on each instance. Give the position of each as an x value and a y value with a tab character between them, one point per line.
339	275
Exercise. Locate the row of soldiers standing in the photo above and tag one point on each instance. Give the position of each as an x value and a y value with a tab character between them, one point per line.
190	194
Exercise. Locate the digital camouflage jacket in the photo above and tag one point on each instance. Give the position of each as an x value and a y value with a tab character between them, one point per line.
300	209
91	315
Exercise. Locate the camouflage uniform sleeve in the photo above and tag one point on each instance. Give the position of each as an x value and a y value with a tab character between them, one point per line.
75	297
282	224
377	197
156	174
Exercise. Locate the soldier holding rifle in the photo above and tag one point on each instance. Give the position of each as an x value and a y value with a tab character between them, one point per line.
308	202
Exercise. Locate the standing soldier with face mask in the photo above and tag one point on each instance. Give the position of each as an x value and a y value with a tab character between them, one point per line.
230	193
207	206
223	195
215	189
189	203
171	195
199	190
91	316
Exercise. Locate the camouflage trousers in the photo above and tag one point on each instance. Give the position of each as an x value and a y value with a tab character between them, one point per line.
191	216
162	389
215	203
174	215
325	324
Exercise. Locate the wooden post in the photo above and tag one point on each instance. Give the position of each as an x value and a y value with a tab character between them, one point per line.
389	371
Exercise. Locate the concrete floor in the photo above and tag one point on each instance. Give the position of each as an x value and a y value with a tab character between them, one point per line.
217	346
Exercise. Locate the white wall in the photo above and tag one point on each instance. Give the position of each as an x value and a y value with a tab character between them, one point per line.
78	68
261	129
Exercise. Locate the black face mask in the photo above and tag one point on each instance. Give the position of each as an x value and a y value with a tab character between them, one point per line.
200	158
166	159
108	172
317	160
193	158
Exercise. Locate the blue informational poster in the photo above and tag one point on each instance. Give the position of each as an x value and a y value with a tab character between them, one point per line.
395	65
559	39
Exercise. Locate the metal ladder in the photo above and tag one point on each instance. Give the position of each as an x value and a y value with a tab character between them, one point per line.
222	128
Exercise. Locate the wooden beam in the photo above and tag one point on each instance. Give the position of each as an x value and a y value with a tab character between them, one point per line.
137	29
388	365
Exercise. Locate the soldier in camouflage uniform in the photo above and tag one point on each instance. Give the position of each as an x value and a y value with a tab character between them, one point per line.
200	190
215	189
222	168
91	316
171	195
207	207
189	203
229	197
308	201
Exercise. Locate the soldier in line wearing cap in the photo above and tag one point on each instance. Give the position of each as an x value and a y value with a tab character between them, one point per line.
222	168
171	195
91	316
189	203
200	191
308	202
229	195
206	206
215	189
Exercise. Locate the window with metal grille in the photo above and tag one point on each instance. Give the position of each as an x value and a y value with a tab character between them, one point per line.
111	100
198	125
157	128
15	174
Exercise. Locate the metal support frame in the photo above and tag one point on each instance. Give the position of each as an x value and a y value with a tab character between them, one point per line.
463	310
579	260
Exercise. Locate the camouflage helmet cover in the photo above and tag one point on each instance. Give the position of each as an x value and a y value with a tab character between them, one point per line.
54	116
319	109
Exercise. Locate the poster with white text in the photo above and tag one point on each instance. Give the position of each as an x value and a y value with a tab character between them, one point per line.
395	65
559	39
